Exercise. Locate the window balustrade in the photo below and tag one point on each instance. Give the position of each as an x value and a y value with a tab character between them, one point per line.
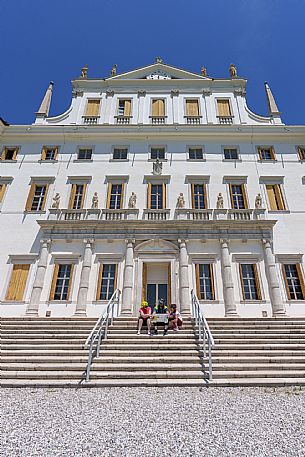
90	120
123	120
158	120
225	120
193	120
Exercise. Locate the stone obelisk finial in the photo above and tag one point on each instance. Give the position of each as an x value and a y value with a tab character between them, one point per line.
46	102
273	109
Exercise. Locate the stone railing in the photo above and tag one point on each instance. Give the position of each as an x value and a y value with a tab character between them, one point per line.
90	120
188	214
123	120
156	214
158	120
225	119
193	214
192	120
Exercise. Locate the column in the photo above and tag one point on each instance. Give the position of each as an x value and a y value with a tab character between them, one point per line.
273	281
141	107
227	281
184	278
81	305
33	307
128	280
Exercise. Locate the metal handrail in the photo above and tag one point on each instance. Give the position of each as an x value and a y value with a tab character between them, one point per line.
100	330
204	331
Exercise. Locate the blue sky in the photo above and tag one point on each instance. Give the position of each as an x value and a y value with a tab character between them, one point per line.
52	40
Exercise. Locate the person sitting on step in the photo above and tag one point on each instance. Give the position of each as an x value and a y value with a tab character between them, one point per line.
144	317
160	316
175	318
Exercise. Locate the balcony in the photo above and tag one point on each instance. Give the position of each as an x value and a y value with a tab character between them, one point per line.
90	120
193	214
158	120
93	214
227	120
123	120
193	120
156	214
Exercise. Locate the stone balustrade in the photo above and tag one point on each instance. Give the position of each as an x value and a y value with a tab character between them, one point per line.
158	120
225	119
193	120
90	120
123	120
156	214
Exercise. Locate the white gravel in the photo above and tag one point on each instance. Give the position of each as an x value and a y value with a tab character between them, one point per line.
153	422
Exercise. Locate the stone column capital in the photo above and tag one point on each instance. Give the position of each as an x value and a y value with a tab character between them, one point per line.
182	241
266	241
130	241
224	241
45	242
88	241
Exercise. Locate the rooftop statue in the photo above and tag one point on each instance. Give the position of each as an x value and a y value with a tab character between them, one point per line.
159	60
203	71
113	70
84	72
233	71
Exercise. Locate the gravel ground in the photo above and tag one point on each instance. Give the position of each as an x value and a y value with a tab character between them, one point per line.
153	422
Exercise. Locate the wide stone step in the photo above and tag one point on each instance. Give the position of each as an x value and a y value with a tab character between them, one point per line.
247	341
270	373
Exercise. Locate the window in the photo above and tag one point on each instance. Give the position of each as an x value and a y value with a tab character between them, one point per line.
294	281
192	108
120	153
124	108
224	109
2	191
61	283
106	281
205	281
301	152
157	153
249	281
158	108
9	153
238	196
84	154
230	153
77	196
37	197
266	153
17	282
195	154
156	198
115	196
93	108
49	153
275	197
199	197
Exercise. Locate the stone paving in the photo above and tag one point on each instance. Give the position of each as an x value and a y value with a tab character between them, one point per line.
153	422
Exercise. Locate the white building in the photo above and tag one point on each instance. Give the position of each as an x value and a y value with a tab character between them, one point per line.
65	249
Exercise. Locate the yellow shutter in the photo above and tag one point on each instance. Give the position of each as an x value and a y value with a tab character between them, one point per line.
54	281
43	153
193	195
127	108
231	196
18	281
155	108
192	108
243	189
109	190
2	191
224	108
93	107
279	197
45	197
28	205
257	283
212	281
122	197
72	196
163	195
84	194
242	282
301	279
99	282
149	195
3	154
271	197
144	281
197	272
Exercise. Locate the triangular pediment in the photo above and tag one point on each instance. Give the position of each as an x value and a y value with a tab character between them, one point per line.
158	71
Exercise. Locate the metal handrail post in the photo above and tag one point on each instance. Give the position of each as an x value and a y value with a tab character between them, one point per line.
99	342
210	362
89	363
204	345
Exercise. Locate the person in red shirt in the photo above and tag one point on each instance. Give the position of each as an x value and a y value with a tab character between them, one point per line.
144	316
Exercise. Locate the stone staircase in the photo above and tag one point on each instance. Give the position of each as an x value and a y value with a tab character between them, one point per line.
254	351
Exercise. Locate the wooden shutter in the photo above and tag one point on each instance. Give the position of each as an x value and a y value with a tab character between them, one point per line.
109	190
224	109
122	197
43	153
231	196
257	282
99	281
158	108
192	108
3	154
197	272
212	281
149	195
2	191
54	281
127	107
193	195
163	195
28	205
301	279
72	196
243	189
45	197
271	197
144	281
279	197
93	107
17	282
70	281
83	195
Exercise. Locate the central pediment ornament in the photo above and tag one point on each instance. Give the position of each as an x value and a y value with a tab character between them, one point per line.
158	74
